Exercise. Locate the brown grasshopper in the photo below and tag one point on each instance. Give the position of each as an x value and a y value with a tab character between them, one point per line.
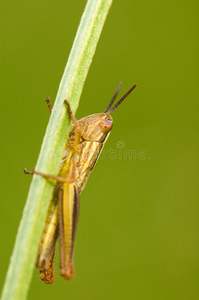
86	140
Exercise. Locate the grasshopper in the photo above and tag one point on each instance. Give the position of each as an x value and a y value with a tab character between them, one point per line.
86	140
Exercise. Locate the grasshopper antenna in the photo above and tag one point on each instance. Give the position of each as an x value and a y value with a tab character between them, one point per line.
121	100
114	96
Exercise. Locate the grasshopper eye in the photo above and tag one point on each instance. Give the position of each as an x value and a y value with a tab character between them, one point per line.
106	126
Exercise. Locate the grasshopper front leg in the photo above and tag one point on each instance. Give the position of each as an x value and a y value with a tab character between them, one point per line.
76	142
49	104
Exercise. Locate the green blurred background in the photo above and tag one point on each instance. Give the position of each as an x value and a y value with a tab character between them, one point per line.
138	233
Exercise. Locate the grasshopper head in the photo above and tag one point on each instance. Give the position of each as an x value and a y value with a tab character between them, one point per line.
96	128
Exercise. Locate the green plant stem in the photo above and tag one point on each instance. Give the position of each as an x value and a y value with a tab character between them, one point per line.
29	233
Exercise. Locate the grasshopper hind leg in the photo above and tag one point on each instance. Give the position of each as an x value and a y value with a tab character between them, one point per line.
45	256
68	218
47	272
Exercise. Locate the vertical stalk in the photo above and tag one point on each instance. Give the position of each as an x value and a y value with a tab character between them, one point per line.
22	261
